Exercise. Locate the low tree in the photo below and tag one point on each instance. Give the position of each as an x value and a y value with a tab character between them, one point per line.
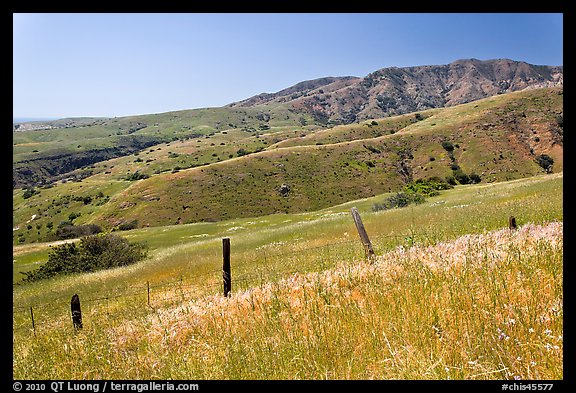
92	253
545	161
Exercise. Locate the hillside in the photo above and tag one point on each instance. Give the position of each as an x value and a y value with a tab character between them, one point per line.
304	299
498	139
237	173
393	90
48	151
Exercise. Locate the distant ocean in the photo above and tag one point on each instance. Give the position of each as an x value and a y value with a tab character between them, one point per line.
16	120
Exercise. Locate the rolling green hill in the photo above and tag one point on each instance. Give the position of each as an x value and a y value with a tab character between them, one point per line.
41	156
229	170
304	273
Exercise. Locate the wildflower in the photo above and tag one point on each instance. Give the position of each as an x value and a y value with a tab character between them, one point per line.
530	330
533	363
517	377
502	335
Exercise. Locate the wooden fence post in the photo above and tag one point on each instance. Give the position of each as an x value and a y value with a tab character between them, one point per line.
227	277
148	285
76	312
363	235
32	317
511	222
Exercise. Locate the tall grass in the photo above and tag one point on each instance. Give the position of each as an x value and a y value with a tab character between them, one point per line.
452	295
482	306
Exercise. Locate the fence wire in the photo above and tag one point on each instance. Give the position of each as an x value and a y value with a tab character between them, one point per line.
190	288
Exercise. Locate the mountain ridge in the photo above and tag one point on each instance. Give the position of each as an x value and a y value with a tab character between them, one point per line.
398	90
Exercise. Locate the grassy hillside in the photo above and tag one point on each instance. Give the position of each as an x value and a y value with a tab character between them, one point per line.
491	312
491	138
39	156
368	129
240	172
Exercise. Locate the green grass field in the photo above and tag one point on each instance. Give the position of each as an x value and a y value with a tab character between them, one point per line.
466	299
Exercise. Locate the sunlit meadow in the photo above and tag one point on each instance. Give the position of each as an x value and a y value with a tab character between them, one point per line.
452	294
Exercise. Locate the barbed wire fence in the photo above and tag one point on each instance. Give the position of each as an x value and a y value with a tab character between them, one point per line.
32	319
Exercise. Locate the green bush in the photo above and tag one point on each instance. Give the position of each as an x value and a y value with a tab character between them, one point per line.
448	146
29	192
126	226
92	253
372	149
400	199
545	161
67	230
136	176
461	177
474	178
428	187
414	193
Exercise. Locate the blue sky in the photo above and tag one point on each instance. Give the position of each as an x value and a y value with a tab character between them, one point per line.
70	65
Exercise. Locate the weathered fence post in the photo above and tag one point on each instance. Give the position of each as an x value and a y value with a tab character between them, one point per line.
32	317
76	312
363	235
511	222
148	285
227	278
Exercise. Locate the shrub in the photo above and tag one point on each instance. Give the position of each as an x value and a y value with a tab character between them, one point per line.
448	146
545	161
474	178
400	199
414	193
29	192
136	176
92	253
428	187
372	149
67	230
461	177
126	226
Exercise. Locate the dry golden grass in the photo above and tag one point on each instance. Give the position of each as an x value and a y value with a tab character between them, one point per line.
483	306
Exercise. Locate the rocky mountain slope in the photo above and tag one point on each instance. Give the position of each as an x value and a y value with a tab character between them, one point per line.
393	91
